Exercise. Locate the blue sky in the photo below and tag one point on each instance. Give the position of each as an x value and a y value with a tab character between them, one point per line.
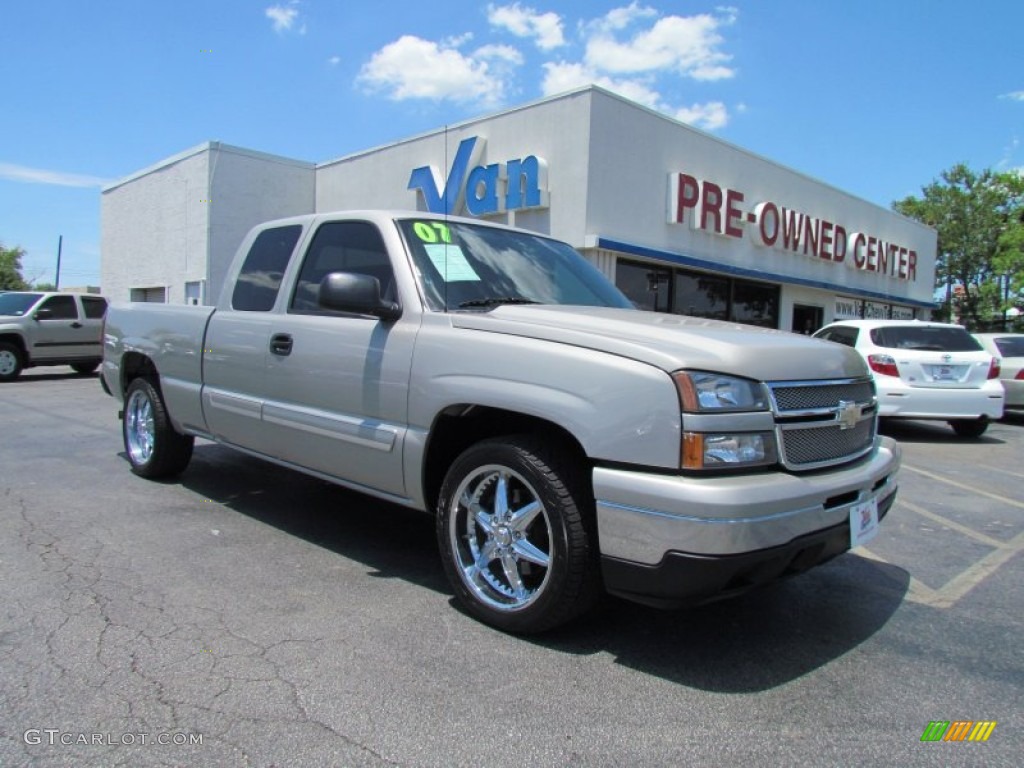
876	97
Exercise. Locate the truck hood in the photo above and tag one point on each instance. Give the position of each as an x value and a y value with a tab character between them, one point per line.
671	342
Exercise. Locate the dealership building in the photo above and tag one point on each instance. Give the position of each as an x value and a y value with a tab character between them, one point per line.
681	221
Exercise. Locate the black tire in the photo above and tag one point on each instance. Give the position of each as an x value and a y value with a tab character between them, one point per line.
528	560
970	428
84	369
11	361
154	449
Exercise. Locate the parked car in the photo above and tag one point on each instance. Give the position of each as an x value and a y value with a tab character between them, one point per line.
48	328
1010	348
926	370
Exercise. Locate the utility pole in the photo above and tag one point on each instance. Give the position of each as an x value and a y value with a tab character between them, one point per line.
60	245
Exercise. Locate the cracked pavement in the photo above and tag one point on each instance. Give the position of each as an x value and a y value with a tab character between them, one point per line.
288	622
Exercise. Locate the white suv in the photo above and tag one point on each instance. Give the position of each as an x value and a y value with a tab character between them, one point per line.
926	370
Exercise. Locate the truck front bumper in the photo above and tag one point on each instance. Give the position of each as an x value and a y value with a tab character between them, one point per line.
672	540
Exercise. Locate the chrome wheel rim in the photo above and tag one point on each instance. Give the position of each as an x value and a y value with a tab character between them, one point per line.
139	431
8	362
500	534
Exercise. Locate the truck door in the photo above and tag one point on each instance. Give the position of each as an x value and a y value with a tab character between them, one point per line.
337	384
236	346
59	333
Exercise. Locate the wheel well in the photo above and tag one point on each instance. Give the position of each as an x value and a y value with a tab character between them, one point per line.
13	338
460	426
135	365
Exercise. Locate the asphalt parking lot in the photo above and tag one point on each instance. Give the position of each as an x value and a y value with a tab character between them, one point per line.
245	615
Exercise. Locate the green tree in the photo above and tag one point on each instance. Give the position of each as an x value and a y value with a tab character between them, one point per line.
10	269
977	217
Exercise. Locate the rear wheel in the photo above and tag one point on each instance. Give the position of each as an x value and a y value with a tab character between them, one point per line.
515	530
969	427
10	361
154	448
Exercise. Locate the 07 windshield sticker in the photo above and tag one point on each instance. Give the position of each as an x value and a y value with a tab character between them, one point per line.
451	262
432	231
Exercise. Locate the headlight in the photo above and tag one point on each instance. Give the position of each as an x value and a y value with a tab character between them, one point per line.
707	397
702	392
727	451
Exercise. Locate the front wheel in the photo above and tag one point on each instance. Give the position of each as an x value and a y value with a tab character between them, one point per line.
154	449
515	528
969	427
10	361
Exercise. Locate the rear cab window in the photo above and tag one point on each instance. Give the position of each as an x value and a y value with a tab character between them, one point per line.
259	280
926	337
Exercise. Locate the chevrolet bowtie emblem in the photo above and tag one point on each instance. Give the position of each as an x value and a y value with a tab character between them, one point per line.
848	414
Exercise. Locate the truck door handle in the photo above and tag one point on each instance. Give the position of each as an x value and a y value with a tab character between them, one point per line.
281	344
76	324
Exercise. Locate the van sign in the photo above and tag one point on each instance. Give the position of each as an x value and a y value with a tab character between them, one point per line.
517	184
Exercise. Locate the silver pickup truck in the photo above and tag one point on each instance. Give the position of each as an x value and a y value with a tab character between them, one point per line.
566	442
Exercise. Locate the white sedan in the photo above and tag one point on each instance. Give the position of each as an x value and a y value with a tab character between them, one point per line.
926	370
1009	347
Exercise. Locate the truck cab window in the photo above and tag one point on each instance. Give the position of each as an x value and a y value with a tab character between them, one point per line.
260	277
343	246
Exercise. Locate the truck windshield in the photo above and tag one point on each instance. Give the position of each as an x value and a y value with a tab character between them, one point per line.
17	304
468	266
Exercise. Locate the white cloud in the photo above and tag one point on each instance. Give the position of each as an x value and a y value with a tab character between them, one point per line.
689	45
546	28
334	61
13	172
505	53
709	116
563	77
1013	96
283	17
414	68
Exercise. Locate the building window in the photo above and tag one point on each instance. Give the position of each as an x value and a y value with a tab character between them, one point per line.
698	294
755	303
151	295
701	295
646	285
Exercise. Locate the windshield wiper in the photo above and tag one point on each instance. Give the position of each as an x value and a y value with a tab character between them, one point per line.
493	302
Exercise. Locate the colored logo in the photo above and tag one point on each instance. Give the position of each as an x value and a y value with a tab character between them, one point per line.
482	189
958	730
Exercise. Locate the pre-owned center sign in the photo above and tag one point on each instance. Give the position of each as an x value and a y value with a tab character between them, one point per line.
707	206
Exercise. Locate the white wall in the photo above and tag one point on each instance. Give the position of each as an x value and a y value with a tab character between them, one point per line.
182	220
153	228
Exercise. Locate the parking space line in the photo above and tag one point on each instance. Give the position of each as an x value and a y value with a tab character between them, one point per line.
976	535
956	588
964	486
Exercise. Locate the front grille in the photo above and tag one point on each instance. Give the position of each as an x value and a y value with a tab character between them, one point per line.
817	423
789	397
828	444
